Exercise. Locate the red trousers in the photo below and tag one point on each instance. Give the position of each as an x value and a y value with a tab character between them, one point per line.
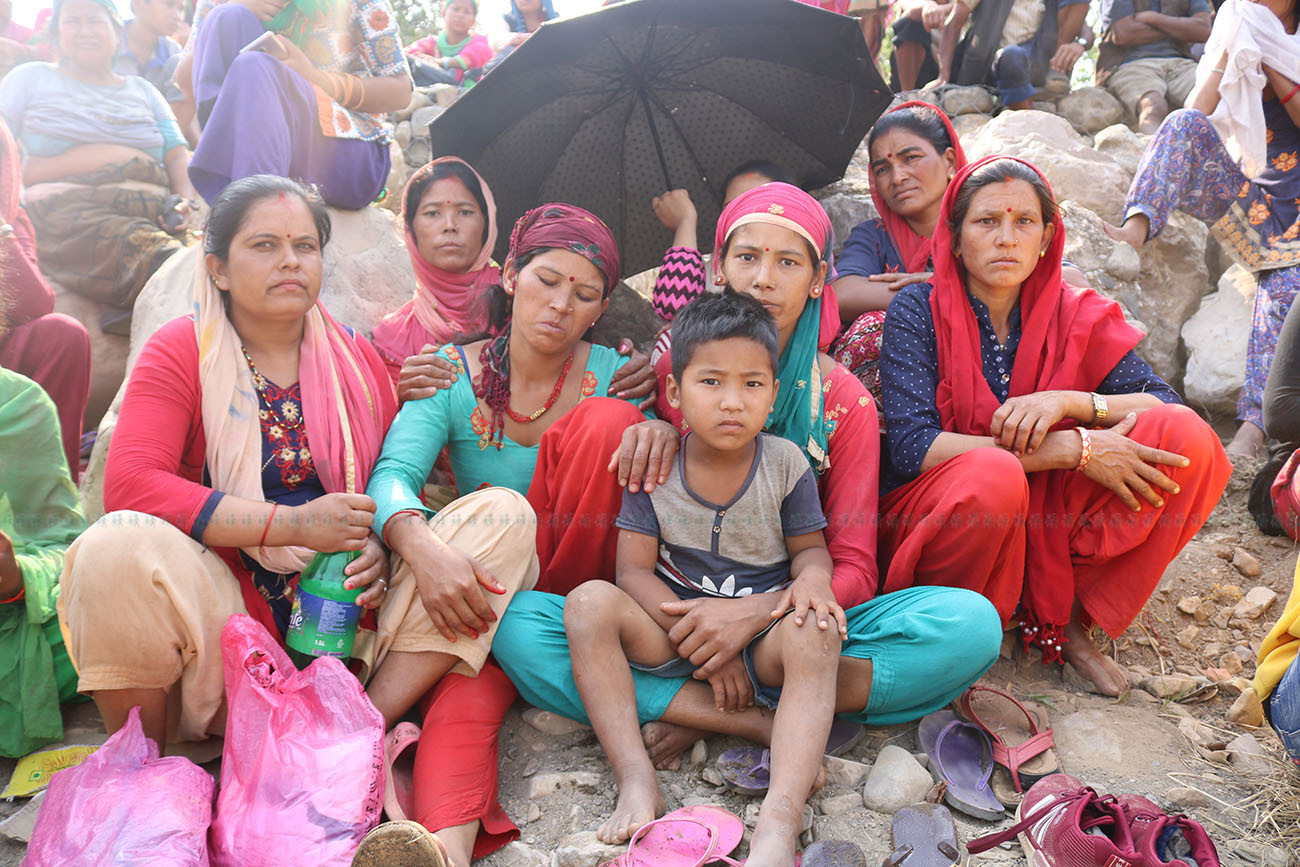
962	524
54	351
576	501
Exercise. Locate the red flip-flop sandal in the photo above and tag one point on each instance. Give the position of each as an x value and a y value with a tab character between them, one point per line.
1022	739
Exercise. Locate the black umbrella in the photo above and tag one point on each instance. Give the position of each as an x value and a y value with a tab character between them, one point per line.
609	109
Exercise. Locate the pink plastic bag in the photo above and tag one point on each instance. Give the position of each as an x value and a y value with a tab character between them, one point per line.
302	774
125	806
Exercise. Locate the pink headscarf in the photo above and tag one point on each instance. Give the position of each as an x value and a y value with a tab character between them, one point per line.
802	218
445	304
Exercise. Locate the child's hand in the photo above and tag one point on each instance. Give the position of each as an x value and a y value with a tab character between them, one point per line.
732	690
812	592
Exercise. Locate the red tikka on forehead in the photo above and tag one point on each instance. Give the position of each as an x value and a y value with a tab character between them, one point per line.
573	279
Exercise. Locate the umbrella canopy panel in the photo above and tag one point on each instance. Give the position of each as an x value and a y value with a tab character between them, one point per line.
609	109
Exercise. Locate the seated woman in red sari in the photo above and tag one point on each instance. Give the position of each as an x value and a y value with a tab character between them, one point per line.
1033	456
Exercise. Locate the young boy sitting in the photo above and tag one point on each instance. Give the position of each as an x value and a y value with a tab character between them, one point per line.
738	515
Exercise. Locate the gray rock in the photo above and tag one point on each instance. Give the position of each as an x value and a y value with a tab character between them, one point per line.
1247	711
1261	853
966	100
846	210
443	94
418	152
967	126
1216	338
845	773
421	119
1122	144
699	752
1169	686
583	849
1183	798
1255	602
518	854
545	784
895	781
1090	109
1248	565
838	805
1247	754
1076	171
1102	740
402	133
419	99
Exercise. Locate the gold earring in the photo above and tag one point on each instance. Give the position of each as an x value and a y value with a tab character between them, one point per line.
1042	253
719	280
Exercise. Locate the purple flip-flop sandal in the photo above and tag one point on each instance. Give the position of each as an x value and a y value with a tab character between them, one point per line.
961	756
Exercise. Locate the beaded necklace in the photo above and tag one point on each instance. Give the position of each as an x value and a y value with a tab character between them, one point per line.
550	401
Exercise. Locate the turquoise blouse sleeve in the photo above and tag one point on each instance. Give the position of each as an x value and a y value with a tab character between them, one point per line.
413	443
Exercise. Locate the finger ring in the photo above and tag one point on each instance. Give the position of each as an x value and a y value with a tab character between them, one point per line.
383	581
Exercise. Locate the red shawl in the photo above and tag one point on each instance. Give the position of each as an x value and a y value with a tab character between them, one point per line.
1071	338
24	294
913	248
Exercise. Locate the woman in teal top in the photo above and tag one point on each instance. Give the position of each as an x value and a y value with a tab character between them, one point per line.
526	412
454	419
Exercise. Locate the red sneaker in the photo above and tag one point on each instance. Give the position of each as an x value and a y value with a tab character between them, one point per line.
1063	823
1161	839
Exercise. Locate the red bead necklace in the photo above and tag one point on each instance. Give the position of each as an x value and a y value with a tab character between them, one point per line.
550	401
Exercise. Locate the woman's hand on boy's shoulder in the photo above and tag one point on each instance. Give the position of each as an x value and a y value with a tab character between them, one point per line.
645	455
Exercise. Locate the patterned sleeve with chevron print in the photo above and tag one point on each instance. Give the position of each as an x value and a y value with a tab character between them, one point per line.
680	281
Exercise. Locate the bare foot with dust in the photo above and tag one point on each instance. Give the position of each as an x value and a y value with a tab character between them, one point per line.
1133	232
639	802
1247	442
1107	675
665	742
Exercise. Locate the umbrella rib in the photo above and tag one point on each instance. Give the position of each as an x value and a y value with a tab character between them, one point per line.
690	151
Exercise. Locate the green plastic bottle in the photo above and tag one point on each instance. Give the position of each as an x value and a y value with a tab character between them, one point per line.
324	618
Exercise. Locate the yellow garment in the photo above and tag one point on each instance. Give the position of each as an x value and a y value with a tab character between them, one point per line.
1279	648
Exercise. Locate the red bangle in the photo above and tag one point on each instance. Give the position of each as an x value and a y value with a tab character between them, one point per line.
1283	100
22	591
1085	450
269	518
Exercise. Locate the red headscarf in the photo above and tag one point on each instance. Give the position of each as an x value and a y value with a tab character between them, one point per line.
446	304
553	226
1071	338
913	248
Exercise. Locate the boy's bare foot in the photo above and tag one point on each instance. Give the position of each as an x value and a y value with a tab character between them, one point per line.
1247	442
774	843
639	802
665	742
1107	675
1133	232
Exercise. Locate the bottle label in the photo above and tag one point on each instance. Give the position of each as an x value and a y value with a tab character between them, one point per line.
322	627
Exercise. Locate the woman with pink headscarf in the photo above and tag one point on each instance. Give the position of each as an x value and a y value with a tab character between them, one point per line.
244	445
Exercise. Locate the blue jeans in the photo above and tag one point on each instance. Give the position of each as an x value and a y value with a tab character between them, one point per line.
1284	709
926	645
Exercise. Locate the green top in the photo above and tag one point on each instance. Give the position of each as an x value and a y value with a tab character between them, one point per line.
40	512
452	419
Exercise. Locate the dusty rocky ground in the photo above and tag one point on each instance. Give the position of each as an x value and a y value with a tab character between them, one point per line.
557	787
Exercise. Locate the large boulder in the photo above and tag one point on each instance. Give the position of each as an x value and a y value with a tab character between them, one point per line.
367	275
1216	338
1076	171
1161	288
846	210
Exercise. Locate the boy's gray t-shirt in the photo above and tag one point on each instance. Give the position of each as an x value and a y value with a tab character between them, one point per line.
731	549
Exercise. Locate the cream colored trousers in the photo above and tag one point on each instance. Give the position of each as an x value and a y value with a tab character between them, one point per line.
142	604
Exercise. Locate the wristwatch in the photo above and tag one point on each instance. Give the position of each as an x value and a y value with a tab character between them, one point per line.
1100	408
